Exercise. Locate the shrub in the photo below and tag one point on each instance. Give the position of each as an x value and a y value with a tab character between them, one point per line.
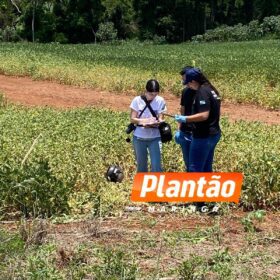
158	40
254	30
33	189
106	32
270	24
60	38
115	264
9	34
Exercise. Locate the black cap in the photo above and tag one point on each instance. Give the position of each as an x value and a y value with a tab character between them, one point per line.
186	68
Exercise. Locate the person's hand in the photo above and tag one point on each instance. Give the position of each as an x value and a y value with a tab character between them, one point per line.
177	133
153	123
149	122
180	118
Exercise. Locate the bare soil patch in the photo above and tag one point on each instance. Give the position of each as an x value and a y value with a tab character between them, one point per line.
24	90
170	238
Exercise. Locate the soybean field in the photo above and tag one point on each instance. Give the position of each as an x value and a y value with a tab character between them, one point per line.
61	219
244	72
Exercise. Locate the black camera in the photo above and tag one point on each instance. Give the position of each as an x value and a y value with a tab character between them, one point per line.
131	127
114	174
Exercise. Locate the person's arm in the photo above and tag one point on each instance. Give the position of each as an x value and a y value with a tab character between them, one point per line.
135	120
134	106
133	117
199	117
157	121
182	111
160	117
202	104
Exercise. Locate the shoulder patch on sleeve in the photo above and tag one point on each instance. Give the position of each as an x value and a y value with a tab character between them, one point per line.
214	93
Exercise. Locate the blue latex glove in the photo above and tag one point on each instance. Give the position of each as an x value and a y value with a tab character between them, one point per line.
177	136
180	118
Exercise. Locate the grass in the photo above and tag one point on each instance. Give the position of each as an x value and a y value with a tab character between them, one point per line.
126	250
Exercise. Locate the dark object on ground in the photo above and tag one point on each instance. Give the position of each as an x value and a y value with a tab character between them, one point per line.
114	174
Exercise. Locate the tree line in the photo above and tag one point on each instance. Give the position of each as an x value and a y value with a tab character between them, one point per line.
87	21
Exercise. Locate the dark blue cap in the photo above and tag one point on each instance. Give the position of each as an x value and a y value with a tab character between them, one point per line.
192	74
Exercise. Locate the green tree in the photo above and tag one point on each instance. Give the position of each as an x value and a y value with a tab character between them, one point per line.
78	19
122	14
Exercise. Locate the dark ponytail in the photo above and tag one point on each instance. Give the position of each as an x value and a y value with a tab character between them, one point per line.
152	86
203	80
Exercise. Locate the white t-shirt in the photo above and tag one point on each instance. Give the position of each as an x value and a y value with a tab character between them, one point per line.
138	104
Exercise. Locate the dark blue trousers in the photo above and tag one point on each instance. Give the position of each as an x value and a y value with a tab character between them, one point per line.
202	153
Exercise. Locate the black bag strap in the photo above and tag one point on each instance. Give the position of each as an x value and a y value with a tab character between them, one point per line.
142	111
149	106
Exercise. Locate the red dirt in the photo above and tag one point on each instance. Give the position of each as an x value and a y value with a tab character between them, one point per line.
123	229
23	90
173	237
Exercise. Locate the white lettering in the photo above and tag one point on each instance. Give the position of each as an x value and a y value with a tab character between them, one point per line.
173	191
160	186
146	187
200	183
185	188
204	209
214	191
225	192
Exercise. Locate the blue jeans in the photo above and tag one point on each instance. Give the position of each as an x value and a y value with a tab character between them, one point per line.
141	148
184	140
202	153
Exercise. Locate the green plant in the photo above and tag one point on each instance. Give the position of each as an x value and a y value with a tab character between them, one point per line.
33	189
3	101
249	221
238	78
253	31
60	38
33	232
197	267
271	24
64	172
106	32
10	244
9	34
115	265
221	264
40	264
149	222
192	268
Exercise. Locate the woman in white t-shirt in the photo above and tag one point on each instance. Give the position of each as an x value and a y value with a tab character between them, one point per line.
146	136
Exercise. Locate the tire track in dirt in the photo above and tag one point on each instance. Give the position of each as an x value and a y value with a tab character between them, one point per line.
24	90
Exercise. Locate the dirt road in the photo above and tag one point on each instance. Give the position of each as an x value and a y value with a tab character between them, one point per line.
26	91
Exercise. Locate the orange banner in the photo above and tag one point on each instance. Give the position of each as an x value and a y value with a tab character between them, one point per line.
187	187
